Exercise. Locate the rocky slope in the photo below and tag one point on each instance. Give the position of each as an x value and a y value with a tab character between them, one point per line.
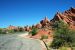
67	16
45	27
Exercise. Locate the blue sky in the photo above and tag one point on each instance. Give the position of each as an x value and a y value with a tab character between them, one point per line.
29	12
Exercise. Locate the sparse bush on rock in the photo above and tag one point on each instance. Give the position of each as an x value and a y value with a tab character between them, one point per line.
34	31
44	37
10	31
63	36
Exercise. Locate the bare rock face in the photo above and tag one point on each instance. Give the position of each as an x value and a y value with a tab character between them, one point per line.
45	22
27	28
67	16
42	32
11	27
38	25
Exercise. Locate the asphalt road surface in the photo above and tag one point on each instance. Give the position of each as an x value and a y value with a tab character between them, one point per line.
15	42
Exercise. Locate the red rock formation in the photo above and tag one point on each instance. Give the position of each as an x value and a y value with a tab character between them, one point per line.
45	22
38	26
42	32
67	16
27	28
11	27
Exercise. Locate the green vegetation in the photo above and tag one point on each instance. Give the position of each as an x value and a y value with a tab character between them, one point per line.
34	31
63	36
11	31
44	37
63	48
7	31
20	29
2	31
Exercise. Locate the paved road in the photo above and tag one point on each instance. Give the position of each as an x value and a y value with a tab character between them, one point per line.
14	42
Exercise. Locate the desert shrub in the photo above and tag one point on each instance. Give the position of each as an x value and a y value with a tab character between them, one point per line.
11	31
0	31
15	30
57	43
59	25
63	36
44	37
63	48
34	31
4	31
21	30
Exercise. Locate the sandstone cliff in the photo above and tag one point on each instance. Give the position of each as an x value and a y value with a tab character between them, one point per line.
67	16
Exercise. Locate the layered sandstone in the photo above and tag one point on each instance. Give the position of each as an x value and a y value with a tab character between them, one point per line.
45	22
11	27
67	16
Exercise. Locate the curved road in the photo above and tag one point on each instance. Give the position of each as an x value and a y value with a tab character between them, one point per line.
15	42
